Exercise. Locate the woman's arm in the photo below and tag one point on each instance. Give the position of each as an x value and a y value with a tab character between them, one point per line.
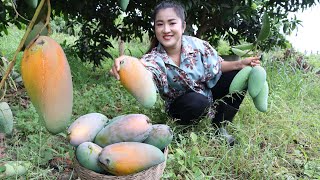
238	65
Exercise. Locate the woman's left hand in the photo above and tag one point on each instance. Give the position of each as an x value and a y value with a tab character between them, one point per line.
251	61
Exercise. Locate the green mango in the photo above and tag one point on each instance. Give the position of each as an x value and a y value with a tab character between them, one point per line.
124	4
6	118
240	81
261	101
87	154
257	78
14	168
160	136
32	3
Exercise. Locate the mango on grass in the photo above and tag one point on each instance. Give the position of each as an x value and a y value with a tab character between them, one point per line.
257	78
47	78
129	157
14	168
261	100
138	81
240	81
6	118
87	154
130	128
160	136
85	128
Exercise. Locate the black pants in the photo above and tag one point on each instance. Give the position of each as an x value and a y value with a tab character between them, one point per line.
192	106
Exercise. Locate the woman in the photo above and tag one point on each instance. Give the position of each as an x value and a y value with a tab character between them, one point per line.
189	74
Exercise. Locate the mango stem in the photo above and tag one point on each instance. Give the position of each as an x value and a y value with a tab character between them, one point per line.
26	34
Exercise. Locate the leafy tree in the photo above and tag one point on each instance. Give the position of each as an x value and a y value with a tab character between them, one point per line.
215	19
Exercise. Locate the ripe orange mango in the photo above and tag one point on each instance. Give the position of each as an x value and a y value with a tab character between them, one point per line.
138	81
47	78
129	157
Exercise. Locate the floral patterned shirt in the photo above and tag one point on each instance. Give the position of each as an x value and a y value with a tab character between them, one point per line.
199	70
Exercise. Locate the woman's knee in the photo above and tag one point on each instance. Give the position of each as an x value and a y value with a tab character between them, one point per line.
189	107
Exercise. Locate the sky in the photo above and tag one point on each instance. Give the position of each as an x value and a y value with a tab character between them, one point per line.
307	38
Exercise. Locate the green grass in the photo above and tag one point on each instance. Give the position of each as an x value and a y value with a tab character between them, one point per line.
282	143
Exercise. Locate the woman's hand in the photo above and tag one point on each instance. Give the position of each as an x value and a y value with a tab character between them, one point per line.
250	61
116	66
238	65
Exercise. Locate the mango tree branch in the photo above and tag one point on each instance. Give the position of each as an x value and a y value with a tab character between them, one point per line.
48	17
33	20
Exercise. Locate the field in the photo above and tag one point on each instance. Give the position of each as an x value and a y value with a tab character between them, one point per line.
283	143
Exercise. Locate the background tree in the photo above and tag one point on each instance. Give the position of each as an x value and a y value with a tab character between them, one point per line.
234	21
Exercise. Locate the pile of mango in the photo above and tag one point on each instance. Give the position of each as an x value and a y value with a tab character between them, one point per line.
124	145
255	80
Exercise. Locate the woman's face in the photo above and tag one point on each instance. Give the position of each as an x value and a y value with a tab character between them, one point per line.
169	28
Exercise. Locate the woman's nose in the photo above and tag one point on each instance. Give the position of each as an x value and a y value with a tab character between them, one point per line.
166	28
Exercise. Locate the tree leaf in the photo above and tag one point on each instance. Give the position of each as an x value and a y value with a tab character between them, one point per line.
238	52
245	46
265	29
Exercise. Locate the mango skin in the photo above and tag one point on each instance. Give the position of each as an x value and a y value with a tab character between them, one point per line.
137	80
126	158
240	81
257	78
85	128
261	100
129	128
47	78
87	155
160	136
6	118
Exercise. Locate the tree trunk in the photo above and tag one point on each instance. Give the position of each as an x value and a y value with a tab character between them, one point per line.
121	47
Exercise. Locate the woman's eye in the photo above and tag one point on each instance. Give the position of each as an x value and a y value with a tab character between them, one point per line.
172	24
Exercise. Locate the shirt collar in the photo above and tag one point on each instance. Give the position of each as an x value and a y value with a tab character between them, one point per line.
186	49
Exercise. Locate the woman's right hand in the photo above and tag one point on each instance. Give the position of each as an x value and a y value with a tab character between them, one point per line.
116	66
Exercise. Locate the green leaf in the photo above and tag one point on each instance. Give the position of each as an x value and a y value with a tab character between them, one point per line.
246	46
180	152
194	137
238	52
2	169
265	29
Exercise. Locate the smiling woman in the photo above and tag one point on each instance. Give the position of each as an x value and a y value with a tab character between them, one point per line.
306	39
188	72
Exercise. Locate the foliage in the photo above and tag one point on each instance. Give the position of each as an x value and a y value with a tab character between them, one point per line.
280	144
235	20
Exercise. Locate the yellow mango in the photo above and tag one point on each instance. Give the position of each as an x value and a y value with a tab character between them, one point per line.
130	128
138	81
47	78
129	157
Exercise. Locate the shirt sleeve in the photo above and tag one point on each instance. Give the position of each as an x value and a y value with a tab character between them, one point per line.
212	64
150	63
